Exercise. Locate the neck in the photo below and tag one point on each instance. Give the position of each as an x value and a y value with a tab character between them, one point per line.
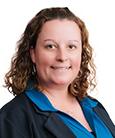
56	93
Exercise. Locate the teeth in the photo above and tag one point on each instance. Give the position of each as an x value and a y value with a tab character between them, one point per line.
61	67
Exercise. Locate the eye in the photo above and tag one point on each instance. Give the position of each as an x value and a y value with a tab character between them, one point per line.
50	46
72	47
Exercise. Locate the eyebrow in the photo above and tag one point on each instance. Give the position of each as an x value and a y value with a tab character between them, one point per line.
75	41
68	40
49	40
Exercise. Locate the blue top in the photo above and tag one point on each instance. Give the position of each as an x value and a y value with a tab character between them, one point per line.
87	104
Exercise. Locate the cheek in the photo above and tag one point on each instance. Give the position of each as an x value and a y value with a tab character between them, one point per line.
43	61
77	60
76	66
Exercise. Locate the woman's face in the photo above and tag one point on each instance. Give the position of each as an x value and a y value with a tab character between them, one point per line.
57	54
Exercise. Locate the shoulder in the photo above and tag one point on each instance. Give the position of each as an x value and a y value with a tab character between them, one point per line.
99	104
20	110
99	108
15	117
15	104
17	109
20	118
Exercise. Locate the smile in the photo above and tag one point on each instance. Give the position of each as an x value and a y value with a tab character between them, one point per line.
61	67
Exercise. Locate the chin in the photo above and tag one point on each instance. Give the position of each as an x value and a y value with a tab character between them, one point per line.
62	82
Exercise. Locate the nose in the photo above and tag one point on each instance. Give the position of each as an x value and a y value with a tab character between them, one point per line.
61	55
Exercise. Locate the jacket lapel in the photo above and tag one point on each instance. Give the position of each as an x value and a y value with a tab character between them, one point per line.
57	127
101	112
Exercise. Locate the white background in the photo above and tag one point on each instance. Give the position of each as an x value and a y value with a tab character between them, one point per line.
100	20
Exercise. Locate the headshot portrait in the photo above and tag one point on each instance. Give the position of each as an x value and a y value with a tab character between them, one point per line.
50	77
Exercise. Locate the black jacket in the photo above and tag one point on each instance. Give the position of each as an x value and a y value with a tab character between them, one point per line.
20	119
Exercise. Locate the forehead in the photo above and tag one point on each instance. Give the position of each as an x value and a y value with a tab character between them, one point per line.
61	28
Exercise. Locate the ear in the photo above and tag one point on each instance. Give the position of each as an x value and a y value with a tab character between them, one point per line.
32	54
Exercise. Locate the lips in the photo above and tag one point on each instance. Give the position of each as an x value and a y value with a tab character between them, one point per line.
61	67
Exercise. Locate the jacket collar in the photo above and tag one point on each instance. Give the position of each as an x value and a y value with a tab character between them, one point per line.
101	112
55	125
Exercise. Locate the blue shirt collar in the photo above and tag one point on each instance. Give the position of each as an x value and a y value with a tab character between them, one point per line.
90	103
43	103
38	98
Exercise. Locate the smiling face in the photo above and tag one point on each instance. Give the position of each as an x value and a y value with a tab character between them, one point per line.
57	54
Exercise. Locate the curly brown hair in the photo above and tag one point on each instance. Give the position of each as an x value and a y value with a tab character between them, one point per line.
22	70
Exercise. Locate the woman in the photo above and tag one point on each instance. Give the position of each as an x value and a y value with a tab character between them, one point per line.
50	76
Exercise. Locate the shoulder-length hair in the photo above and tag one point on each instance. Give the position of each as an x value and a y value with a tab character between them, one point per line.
22	71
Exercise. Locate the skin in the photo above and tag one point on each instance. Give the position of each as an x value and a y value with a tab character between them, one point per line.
57	54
